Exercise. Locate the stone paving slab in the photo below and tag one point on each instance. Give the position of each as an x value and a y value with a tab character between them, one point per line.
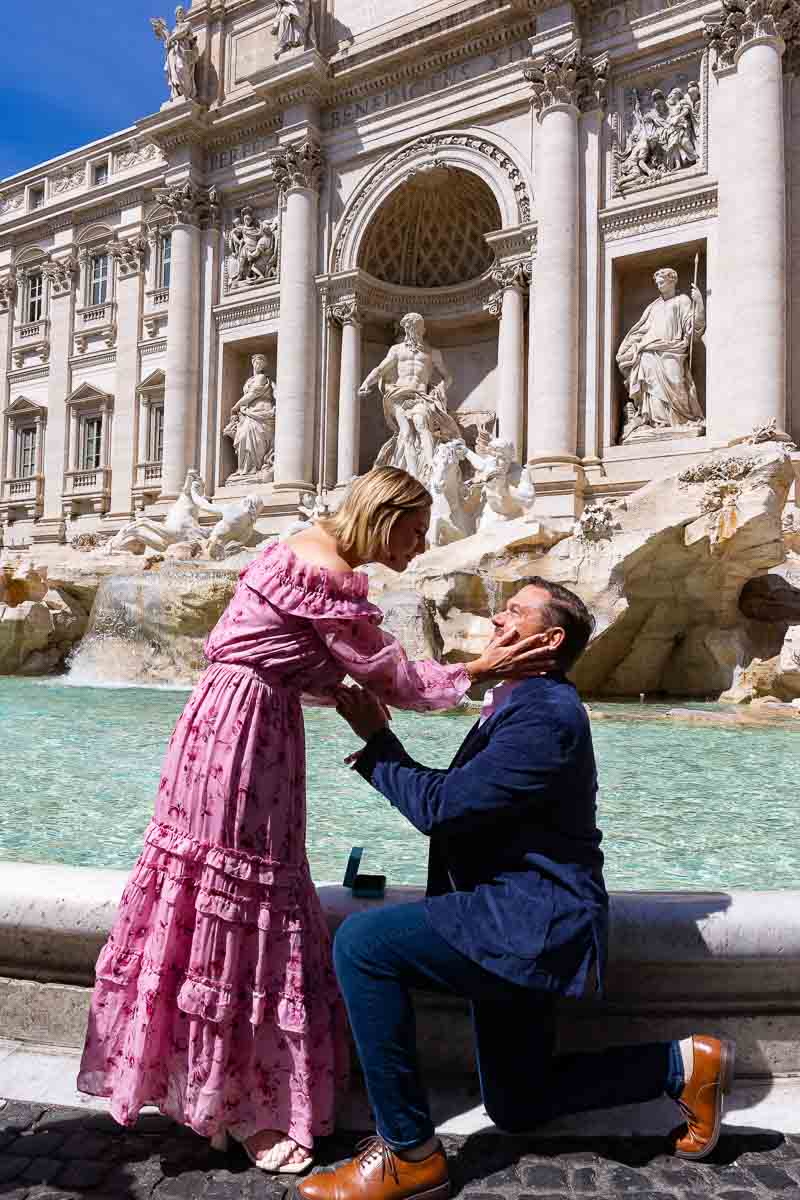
68	1154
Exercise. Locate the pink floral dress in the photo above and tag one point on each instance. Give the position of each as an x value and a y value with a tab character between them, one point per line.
215	997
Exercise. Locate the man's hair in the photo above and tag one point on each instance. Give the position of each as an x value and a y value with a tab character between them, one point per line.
568	612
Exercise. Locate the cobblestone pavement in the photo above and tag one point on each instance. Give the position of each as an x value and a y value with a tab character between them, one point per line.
65	1154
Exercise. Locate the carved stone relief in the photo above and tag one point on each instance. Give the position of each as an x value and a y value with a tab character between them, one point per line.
136	154
252	244
11	202
661	134
8	291
68	179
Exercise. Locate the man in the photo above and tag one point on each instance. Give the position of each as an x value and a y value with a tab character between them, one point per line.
516	915
415	411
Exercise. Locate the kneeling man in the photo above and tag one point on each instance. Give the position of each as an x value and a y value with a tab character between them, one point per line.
516	915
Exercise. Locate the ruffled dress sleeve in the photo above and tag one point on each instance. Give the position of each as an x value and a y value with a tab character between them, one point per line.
337	605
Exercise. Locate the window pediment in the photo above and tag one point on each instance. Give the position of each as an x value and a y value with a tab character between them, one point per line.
152	383
89	396
21	406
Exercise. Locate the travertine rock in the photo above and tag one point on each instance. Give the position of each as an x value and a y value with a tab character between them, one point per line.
411	618
771	598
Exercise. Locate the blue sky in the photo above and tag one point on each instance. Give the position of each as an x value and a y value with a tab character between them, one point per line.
72	71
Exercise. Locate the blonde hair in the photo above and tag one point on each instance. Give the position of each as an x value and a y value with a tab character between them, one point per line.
363	524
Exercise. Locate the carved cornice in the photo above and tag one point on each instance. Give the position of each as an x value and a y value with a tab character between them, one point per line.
8	291
61	273
129	254
190	204
230	317
28	374
567	79
347	312
148	348
298	166
745	21
678	210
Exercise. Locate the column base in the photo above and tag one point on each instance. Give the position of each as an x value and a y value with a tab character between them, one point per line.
560	483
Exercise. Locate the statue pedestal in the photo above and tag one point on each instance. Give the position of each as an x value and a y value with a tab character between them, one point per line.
649	433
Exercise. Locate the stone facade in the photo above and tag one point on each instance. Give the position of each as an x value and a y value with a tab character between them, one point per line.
514	171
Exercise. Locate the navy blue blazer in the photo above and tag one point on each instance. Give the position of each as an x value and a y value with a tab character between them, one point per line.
515	873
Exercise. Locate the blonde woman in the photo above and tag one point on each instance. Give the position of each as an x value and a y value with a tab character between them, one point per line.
215	997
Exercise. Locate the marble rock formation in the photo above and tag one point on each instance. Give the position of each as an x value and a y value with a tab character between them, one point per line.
411	618
664	585
39	623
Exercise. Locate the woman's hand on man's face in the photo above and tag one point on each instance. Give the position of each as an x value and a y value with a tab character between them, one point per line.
364	712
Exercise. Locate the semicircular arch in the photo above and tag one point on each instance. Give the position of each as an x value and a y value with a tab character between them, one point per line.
490	158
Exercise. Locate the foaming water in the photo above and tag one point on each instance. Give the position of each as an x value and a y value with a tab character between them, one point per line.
682	805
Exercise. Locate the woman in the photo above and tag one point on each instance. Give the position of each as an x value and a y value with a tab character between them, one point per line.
215	997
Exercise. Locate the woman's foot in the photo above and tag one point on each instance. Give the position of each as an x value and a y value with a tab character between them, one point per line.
272	1150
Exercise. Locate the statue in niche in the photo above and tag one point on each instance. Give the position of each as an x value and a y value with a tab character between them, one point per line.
252	426
415	411
661	138
182	55
293	26
654	359
253	246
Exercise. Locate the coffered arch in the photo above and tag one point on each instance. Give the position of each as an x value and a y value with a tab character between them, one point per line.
495	163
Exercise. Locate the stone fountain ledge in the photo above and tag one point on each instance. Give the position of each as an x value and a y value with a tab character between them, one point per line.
680	961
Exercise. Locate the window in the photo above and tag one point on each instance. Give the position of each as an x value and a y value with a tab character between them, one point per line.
99	174
36	197
166	261
26	452
34	297
91	443
98	279
155	447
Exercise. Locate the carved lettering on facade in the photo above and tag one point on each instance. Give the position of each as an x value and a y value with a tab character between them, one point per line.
401	93
219	159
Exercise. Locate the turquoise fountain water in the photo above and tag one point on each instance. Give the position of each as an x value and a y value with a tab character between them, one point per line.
682	805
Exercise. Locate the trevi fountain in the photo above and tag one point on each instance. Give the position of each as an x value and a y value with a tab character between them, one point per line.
542	256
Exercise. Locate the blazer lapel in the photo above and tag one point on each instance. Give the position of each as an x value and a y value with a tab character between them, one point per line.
469	746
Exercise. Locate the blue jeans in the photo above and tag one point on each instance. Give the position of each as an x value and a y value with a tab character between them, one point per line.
380	956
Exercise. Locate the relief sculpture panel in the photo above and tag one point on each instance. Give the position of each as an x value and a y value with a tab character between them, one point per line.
660	132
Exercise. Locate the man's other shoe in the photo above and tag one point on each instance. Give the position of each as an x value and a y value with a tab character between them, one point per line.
376	1173
701	1098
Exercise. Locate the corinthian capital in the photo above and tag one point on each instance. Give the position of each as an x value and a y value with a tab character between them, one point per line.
298	166
190	204
567	79
61	273
744	22
347	312
8	290
129	254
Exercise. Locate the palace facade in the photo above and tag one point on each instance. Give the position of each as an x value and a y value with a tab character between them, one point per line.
513	171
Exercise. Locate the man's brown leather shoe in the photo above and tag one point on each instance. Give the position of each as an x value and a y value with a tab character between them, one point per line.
378	1174
701	1098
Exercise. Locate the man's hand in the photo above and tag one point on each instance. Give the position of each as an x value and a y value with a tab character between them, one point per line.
508	656
364	712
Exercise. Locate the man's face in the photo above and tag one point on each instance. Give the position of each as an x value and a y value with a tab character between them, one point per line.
525	616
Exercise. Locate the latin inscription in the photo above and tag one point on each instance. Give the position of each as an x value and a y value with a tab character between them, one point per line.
218	159
349	114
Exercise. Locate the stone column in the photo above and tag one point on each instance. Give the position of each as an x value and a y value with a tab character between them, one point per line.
562	85
508	303
298	174
8	291
349	317
61	275
191	207
752	204
128	256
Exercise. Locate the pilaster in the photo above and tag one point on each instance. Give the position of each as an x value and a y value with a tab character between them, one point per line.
128	257
508	303
348	316
61	275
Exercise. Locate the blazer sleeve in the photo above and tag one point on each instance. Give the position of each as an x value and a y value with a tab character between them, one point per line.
522	762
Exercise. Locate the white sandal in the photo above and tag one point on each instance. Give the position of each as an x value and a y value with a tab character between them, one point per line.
272	1160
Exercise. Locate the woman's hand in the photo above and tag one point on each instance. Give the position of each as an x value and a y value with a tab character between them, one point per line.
508	656
364	712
